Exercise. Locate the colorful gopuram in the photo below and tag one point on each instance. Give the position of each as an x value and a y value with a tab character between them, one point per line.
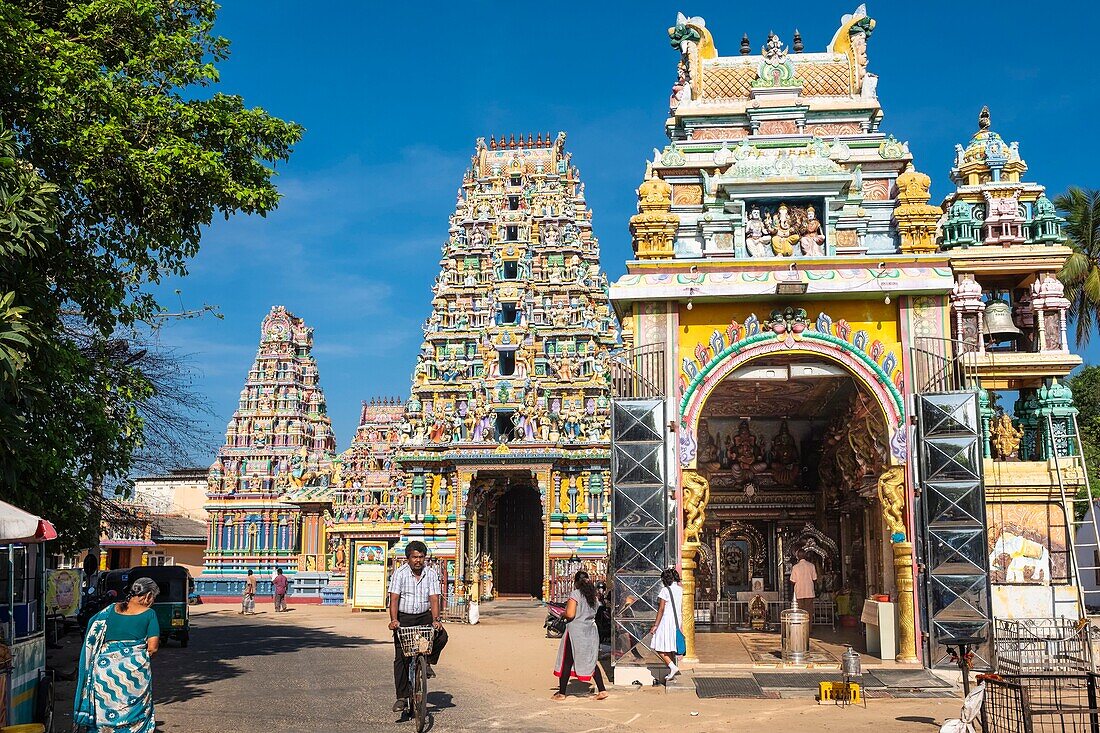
279	441
504	441
830	346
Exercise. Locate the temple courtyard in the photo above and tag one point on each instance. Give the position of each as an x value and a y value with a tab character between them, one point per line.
320	668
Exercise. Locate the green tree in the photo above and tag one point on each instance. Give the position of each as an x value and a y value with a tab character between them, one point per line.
1085	385
1081	272
113	108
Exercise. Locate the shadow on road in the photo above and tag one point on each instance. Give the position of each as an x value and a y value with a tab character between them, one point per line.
440	700
182	674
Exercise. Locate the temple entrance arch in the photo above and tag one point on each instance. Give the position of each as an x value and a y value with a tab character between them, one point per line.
795	442
505	535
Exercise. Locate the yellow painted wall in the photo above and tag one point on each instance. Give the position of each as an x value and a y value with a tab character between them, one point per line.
879	320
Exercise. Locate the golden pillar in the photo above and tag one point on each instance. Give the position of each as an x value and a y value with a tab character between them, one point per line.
687	578
695	495
891	493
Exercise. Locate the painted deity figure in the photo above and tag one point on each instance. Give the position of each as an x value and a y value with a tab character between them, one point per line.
485	573
782	230
746	450
784	456
812	241
483	420
757	239
708	449
528	418
1005	437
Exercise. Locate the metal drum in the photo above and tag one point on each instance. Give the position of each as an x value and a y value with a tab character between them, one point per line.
794	626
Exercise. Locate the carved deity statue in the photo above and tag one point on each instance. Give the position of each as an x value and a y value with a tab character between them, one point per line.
783	234
891	492
745	451
1005	437
708	449
483	420
696	496
812	239
757	239
784	456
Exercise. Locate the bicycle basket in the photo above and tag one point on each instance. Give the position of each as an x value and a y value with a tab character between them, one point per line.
416	639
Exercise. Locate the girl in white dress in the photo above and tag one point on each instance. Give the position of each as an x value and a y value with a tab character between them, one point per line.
670	618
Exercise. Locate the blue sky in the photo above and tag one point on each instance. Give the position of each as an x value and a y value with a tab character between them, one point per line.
393	97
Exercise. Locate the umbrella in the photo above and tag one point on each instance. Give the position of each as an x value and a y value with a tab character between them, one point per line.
17	525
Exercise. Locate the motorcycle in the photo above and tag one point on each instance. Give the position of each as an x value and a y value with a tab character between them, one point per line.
555	620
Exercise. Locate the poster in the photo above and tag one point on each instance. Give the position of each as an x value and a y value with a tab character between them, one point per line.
369	587
63	591
1027	544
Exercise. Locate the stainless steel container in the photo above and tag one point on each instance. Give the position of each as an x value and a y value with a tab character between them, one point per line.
850	663
794	626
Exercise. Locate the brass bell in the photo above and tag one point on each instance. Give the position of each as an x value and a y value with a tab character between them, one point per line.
997	322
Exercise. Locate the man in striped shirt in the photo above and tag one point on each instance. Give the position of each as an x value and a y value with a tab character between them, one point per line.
414	601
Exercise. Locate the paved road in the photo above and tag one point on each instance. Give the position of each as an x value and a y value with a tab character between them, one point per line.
268	673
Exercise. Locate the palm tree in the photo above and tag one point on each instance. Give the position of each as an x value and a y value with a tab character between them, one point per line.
1081	273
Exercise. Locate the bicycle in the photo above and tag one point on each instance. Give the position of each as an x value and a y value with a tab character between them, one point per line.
416	642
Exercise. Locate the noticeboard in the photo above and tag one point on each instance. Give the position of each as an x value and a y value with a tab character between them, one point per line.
369	576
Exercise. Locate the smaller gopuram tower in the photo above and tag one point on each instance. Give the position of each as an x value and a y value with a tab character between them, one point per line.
1009	318
279	440
368	492
504	443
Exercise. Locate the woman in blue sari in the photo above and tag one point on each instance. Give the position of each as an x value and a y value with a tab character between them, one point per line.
114	691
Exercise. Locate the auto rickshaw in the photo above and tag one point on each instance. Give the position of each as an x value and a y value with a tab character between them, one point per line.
171	605
26	687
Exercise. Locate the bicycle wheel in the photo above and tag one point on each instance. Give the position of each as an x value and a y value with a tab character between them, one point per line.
420	693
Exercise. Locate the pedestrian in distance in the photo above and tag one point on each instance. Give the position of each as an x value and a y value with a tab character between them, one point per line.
280	583
248	599
415	600
580	644
114	690
670	618
803	576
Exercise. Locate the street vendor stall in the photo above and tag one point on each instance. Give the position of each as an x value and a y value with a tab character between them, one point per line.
26	690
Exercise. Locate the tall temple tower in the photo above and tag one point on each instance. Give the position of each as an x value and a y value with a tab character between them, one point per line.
280	439
505	438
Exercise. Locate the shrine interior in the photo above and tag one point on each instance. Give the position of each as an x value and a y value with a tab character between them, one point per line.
792	448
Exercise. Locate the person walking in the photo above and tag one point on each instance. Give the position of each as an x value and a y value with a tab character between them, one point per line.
414	601
803	576
114	688
248	599
670	617
580	644
280	583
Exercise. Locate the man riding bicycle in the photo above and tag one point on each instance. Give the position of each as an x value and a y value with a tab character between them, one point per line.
414	601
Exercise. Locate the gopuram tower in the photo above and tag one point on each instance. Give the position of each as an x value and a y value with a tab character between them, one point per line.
505	438
279	441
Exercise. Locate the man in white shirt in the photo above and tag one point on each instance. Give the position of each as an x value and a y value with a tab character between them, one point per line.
803	575
414	601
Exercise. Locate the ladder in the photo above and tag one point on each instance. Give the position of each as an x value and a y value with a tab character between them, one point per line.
1079	506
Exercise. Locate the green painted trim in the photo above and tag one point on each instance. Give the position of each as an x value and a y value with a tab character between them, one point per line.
760	338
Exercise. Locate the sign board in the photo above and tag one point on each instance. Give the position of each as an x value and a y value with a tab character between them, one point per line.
369	576
63	591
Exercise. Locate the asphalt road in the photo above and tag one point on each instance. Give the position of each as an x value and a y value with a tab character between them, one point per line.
268	673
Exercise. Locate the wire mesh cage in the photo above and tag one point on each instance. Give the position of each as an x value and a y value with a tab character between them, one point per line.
1042	645
1040	703
416	639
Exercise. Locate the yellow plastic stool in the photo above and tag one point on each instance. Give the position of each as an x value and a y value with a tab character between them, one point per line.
834	691
27	728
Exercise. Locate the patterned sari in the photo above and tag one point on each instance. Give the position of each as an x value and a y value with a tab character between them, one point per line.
114	693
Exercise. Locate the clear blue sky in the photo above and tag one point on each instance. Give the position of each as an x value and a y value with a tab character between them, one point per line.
393	96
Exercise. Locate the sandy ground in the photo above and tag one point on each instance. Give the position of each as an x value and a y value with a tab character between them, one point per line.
328	669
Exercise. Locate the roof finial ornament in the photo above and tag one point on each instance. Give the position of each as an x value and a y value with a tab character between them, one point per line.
746	48
983	118
797	41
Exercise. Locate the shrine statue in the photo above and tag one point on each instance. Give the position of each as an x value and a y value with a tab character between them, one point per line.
528	418
746	452
485	574
483	420
696	495
784	456
812	241
757	239
708	449
1005	437
891	492
782	230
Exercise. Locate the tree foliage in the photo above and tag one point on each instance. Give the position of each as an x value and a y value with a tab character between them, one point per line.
1081	272
133	152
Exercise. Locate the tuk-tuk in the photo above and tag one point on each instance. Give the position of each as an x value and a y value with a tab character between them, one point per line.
110	587
26	688
171	605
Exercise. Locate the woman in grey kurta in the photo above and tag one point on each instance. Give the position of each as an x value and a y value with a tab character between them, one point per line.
580	645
